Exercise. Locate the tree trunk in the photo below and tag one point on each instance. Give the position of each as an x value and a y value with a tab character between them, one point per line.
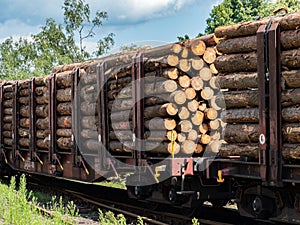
188	147
64	108
242	115
241	133
291	58
65	143
209	55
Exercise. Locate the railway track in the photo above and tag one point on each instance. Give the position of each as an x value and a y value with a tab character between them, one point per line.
116	200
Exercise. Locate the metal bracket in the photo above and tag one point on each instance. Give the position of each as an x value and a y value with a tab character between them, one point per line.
268	67
82	163
32	128
76	124
138	107
55	158
15	137
1	114
52	116
4	155
103	127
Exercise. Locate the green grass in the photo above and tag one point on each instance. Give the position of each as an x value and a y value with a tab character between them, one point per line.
18	206
113	184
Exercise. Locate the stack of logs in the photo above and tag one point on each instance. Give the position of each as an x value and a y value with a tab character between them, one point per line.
8	93
238	76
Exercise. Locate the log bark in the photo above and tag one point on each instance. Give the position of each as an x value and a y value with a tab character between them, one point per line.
243	62
7	119
291	114
89	134
89	122
88	109
242	115
64	121
8	111
24	100
247	62
42	133
238	80
8	103
291	133
7	126
240	99
64	108
122	135
250	150
289	40
291	78
242	133
64	132
65	143
64	95
287	22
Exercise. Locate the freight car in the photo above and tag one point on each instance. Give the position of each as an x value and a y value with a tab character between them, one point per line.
213	118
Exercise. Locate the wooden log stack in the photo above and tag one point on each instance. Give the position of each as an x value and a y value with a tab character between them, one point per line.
237	68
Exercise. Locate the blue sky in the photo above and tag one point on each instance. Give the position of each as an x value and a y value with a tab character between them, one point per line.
132	21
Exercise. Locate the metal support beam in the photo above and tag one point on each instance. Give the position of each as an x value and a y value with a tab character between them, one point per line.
138	107
32	128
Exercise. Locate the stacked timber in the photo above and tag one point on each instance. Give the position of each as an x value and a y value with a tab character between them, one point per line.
237	68
7	117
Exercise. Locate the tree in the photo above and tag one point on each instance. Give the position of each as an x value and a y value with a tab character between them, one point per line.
77	18
234	11
55	44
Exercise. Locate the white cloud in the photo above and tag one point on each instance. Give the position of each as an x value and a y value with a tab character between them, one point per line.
16	28
134	11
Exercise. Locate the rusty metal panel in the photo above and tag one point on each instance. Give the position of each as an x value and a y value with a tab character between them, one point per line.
1	113
76	125
138	106
15	134
275	104
263	111
52	116
103	120
32	126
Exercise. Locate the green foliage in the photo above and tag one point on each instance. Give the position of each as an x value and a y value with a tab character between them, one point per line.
109	218
55	44
235	11
183	38
15	208
195	221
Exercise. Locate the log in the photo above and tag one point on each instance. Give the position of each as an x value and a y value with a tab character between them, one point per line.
64	132
181	137
192	135
193	105
155	88
290	97
125	104
8	95
242	133
41	124
197	83
237	45
204	139
289	40
198	47
250	150
72	66
178	97
176	48
205	74
64	95
89	122
199	149
185	126
183	113
291	151
242	62
8	103
90	134
24	122
247	62
207	93
291	114
238	80
291	133
242	115
65	143
291	58
213	69
184	65
23	132
291	78
172	60
24	100
197	63
173	73
65	108
190	93
188	147
160	124
7	134
184	53
203	128
171	135
209	55
87	109
7	119
287	22
7	141
8	111
7	126
64	121
240	99
214	124
184	81
122	135
42	133
173	148
64	79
